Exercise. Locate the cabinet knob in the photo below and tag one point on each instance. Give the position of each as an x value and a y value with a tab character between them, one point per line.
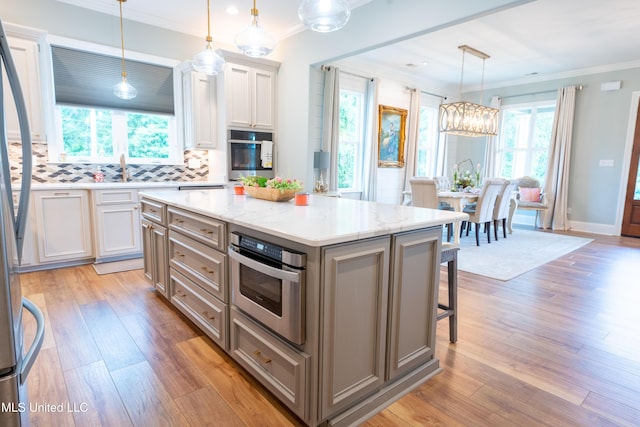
262	358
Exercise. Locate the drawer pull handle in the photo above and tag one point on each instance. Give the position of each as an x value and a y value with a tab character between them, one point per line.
152	210
179	221
208	316
262	358
181	294
206	270
206	231
179	254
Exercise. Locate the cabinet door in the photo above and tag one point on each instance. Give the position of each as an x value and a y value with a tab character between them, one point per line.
414	284
263	99
238	95
118	230
201	111
63	225
355	294
156	267
25	57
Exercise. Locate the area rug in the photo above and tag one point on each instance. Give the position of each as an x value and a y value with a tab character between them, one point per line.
118	266
520	252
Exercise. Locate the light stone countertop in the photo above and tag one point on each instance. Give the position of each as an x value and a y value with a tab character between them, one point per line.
325	221
143	185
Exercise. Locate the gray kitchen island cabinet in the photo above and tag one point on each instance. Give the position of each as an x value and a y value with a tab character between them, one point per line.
370	299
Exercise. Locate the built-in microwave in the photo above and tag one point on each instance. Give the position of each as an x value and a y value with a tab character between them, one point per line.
250	153
268	284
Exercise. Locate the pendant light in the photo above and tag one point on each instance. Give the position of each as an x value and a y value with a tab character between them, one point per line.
467	118
208	61
123	89
324	16
254	41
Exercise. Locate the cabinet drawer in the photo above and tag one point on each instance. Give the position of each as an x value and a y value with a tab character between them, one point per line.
154	211
278	366
203	309
200	263
115	196
205	230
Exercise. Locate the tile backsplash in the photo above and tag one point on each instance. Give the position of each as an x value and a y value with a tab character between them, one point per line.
44	172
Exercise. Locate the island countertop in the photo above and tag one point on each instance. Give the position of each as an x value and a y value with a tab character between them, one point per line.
324	221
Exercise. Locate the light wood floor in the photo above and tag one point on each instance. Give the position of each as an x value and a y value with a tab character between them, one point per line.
558	346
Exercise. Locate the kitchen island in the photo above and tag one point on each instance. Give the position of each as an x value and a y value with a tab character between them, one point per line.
368	303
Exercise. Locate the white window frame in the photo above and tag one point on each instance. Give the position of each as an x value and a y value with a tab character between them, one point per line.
52	115
433	139
529	150
356	85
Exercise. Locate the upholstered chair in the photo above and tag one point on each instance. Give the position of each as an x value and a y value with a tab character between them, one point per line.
531	197
501	211
482	212
424	194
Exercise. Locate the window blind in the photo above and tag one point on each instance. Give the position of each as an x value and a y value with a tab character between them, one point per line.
84	78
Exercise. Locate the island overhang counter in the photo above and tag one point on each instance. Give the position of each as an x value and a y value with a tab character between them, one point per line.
369	292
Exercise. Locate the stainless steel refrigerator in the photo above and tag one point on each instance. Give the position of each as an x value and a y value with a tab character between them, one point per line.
15	359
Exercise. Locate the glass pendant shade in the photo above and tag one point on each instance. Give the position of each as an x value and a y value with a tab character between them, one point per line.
208	61
254	41
324	15
124	90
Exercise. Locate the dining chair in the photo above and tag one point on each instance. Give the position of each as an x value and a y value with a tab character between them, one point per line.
482	212
424	194
531	198
502	207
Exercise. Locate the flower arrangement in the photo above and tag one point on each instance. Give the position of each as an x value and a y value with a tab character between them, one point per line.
462	180
277	183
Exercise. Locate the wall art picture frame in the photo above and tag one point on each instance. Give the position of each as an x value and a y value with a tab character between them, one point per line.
391	136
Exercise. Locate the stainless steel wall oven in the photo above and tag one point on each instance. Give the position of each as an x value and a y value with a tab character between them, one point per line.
246	151
268	284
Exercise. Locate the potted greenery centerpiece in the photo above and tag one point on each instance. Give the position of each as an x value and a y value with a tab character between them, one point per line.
276	189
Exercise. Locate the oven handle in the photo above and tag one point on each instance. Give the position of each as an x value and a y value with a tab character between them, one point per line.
290	276
243	141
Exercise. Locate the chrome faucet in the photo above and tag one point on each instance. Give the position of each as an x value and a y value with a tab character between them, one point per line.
123	165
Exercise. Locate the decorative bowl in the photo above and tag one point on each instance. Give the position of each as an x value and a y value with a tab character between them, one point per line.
271	194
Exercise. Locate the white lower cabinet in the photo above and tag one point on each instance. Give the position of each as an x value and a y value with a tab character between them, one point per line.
117	224
63	225
156	268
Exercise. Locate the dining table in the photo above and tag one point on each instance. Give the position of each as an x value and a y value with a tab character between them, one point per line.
458	200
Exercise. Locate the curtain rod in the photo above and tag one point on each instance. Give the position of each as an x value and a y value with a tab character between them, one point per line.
328	67
578	87
426	93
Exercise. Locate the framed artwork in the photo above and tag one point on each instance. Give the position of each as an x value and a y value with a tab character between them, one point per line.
391	136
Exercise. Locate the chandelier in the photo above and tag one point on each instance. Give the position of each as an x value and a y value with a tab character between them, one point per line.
208	61
254	41
466	118
123	89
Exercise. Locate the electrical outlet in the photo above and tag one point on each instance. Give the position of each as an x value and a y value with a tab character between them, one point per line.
607	163
568	210
194	163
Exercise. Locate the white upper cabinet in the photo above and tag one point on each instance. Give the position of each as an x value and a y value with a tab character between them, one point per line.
250	93
25	56
200	96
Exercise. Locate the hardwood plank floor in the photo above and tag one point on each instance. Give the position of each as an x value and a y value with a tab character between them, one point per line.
557	346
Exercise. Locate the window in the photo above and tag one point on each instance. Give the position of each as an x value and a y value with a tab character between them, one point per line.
100	136
352	132
525	136
427	141
94	126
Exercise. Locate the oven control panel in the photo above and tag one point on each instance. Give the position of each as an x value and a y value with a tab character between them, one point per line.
269	250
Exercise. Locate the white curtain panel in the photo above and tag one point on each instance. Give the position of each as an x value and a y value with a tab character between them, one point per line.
331	122
556	188
412	138
370	163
